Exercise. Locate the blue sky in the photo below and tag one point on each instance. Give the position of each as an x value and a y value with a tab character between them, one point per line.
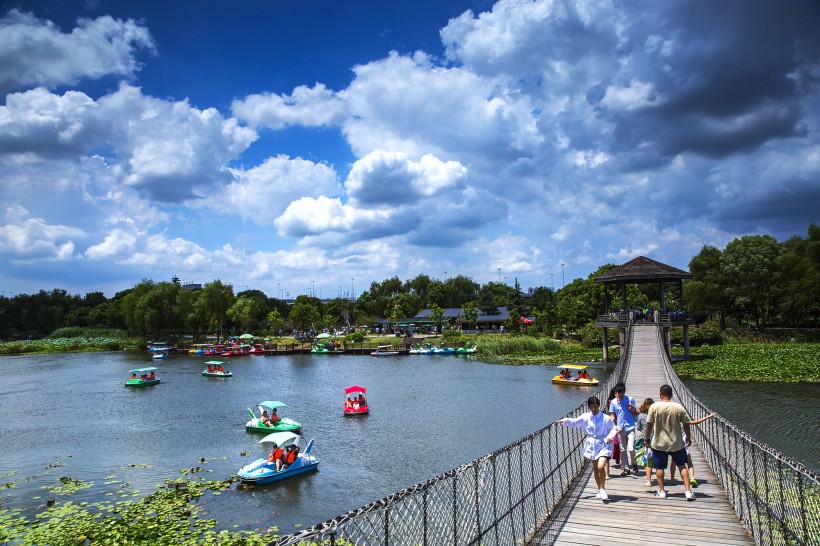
298	146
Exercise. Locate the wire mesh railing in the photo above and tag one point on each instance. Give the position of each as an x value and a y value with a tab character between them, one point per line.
775	497
498	499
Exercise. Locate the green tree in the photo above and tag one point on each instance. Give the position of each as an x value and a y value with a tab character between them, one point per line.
275	323
437	314
750	265
215	301
469	314
304	315
248	312
704	292
492	296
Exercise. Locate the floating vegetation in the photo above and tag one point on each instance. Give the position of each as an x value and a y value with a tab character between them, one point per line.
68	486
172	515
788	362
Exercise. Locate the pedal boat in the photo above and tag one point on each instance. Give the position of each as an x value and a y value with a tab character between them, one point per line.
283	425
574	381
138	382
356	408
262	471
467	350
212	363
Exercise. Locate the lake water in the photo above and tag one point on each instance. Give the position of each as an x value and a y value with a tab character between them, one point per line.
429	414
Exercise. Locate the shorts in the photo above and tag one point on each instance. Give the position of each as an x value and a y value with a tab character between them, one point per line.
660	459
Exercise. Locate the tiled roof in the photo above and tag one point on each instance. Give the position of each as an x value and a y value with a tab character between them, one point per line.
642	269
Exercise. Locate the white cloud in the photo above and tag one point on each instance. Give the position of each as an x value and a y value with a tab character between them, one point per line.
315	106
35	52
117	243
262	193
29	238
384	178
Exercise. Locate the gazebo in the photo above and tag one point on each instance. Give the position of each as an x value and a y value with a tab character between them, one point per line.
642	270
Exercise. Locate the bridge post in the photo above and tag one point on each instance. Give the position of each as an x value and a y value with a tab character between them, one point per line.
686	353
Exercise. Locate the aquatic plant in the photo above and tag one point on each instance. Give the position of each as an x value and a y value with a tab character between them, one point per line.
789	362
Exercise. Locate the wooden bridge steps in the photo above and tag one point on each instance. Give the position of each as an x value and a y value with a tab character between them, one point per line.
633	515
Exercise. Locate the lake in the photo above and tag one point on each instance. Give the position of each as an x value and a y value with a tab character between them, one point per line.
429	414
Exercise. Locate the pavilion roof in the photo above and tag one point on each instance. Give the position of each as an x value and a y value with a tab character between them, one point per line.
641	270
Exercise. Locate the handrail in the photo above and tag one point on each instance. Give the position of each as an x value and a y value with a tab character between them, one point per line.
775	497
497	499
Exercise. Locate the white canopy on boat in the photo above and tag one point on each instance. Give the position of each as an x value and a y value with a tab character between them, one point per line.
280	438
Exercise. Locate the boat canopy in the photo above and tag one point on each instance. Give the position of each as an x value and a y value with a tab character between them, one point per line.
272	404
216	363
573	366
354	388
137	370
384	347
280	438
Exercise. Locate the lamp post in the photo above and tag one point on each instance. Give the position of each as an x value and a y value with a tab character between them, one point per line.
313	289
277	291
552	286
352	293
563	283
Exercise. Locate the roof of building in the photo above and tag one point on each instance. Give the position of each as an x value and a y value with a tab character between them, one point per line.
642	270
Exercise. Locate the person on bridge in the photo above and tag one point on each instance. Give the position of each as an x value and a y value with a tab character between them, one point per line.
600	431
623	410
663	427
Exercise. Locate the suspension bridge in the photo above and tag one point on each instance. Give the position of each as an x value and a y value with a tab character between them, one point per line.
539	490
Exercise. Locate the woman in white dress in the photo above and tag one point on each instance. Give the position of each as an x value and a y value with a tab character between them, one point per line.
600	431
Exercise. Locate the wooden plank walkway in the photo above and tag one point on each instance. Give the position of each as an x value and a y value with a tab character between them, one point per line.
633	515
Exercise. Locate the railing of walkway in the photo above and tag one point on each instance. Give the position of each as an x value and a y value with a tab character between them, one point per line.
498	499
776	498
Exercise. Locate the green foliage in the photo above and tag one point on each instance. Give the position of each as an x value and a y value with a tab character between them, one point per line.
356	337
788	362
62	345
169	516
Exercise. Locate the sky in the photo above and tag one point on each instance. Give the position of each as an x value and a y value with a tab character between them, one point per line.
315	146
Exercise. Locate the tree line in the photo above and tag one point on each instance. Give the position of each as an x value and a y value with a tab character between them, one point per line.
755	279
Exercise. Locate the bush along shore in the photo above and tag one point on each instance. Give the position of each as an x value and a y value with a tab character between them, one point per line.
74	340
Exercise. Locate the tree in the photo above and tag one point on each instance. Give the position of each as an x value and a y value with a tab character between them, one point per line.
437	314
247	312
750	266
304	315
215	301
704	292
492	296
469	314
275	322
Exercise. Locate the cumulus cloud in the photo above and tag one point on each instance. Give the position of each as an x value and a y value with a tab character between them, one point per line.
315	106
384	178
262	193
27	238
34	52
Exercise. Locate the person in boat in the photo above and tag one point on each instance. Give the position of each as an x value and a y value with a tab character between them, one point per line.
143	377
266	419
274	417
276	455
291	452
153	376
133	376
362	402
356	404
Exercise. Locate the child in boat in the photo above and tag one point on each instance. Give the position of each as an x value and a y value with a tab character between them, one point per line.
274	417
265	418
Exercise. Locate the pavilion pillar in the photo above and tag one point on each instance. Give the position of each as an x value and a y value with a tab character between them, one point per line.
606	345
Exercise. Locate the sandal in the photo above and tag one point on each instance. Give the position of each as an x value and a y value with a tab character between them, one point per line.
673	481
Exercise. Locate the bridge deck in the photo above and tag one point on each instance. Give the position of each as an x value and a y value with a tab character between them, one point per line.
633	514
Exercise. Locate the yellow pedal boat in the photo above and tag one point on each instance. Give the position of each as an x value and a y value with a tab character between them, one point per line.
575	380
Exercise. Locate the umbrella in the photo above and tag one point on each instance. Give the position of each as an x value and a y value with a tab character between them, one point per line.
246	336
324	335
